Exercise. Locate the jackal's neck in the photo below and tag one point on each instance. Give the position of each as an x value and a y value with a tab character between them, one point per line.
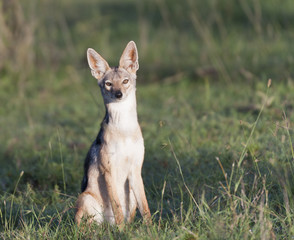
122	113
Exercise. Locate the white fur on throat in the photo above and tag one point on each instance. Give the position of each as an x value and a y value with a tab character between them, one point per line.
123	114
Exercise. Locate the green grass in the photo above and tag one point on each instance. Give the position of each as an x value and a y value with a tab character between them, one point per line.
193	123
218	140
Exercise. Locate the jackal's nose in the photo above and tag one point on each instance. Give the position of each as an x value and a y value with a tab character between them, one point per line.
118	94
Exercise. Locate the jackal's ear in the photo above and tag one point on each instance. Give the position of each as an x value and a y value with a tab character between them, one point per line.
129	58
97	64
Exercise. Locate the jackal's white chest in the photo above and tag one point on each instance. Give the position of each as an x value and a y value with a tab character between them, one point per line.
123	136
126	151
130	151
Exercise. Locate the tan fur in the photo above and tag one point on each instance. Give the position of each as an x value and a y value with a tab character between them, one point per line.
112	186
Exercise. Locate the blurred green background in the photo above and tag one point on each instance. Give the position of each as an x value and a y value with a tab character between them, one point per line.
221	39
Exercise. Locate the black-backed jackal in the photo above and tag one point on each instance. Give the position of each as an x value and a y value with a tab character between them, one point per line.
112	187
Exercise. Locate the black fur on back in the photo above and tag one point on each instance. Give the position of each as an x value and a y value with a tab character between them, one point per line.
92	154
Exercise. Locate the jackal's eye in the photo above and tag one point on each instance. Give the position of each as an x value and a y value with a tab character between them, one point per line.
125	81
108	84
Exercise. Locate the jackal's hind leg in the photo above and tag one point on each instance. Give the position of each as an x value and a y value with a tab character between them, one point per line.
88	206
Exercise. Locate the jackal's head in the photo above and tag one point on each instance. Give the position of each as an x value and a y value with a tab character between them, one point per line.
116	83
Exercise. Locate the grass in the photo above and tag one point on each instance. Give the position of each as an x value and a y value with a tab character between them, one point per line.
218	140
195	180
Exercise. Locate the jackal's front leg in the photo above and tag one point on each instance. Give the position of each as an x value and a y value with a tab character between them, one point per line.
137	186
113	197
